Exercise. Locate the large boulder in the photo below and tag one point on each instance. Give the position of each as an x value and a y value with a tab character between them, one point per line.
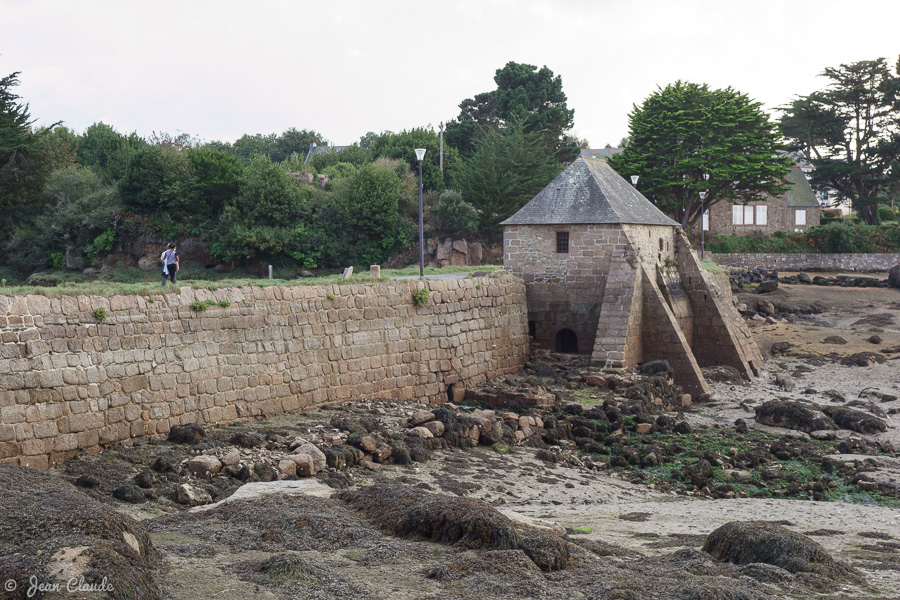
451	520
204	466
191	433
748	542
854	420
791	415
767	287
894	277
54	532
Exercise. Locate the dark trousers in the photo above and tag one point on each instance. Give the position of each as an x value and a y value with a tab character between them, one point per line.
171	268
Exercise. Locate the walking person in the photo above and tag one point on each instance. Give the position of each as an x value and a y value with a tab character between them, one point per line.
171	264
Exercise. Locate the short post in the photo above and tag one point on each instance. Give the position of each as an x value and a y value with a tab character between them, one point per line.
375	271
270	271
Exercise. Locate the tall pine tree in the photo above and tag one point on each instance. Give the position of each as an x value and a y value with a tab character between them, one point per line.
508	168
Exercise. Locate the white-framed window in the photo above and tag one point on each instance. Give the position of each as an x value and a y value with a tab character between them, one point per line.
748	215
762	214
737	215
706	220
800	217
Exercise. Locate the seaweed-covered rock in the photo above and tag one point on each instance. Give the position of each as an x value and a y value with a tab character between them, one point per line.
452	520
791	415
342	457
491	435
863	359
722	374
746	542
854	420
354	424
46	519
656	367
248	440
129	493
699	472
87	481
187	434
276	523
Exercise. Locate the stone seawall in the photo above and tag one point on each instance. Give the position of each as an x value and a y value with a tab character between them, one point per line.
71	383
809	261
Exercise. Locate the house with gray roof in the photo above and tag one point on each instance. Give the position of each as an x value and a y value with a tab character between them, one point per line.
599	152
796	209
607	274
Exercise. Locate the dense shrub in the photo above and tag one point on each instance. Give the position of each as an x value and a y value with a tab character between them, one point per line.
841	236
886	213
454	216
777	242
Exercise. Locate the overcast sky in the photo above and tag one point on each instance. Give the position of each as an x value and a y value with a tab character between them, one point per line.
220	69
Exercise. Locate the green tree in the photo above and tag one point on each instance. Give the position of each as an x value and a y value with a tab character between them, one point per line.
22	168
524	92
508	168
247	146
295	141
107	151
216	178
453	216
82	222
59	147
155	180
851	132
685	131
355	155
340	171
263	219
368	204
402	146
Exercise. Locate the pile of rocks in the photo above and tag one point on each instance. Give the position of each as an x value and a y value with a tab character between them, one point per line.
842	280
351	441
741	276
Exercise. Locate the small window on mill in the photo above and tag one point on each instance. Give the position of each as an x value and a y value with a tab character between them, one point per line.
562	242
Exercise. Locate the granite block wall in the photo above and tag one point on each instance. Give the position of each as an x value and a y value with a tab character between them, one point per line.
811	261
71	383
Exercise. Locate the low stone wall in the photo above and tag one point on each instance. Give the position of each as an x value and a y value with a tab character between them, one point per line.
810	261
71	383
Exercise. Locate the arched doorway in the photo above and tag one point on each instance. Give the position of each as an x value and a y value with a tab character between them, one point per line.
567	341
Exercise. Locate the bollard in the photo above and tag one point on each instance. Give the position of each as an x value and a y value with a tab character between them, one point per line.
375	271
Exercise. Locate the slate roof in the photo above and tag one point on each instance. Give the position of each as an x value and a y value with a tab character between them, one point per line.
589	191
800	193
314	149
599	152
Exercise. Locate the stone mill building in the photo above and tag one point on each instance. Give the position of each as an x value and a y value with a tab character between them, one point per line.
608	274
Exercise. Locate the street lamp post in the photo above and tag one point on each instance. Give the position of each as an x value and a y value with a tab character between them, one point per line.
702	217
420	154
702	228
634	180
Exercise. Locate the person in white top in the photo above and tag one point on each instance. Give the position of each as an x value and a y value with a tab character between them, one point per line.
171	264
